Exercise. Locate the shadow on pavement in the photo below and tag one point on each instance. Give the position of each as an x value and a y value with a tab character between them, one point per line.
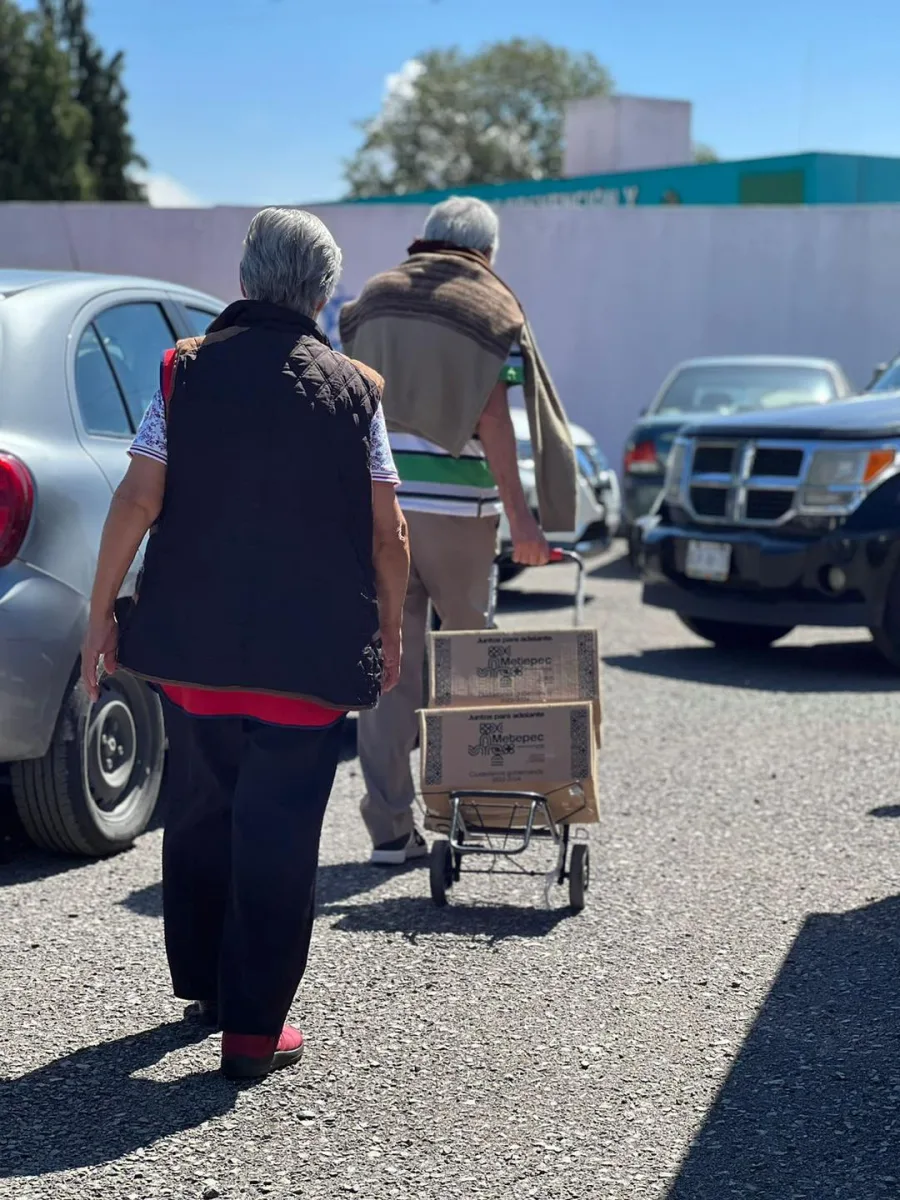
335	883
509	601
413	917
886	811
618	568
810	1108
87	1108
828	667
20	861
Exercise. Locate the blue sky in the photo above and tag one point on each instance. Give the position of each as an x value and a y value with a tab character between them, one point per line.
253	101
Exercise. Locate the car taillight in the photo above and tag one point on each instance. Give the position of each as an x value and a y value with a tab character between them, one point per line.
642	458
16	506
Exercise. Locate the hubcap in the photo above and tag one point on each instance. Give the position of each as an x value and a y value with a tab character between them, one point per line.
112	750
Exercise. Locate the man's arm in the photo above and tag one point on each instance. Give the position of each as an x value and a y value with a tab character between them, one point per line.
495	429
390	554
135	506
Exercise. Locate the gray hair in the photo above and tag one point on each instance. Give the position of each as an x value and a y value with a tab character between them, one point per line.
290	258
465	222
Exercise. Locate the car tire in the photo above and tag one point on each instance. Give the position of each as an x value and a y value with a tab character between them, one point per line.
731	635
95	789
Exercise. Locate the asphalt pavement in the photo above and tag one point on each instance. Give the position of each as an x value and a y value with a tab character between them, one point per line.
723	1020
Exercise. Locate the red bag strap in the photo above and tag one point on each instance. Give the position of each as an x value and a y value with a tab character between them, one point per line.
167	375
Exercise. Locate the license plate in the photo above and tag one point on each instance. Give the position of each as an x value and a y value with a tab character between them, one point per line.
708	560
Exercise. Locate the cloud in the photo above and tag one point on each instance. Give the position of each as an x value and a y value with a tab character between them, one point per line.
165	192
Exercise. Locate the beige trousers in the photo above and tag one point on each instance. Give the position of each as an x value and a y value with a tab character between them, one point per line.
451	566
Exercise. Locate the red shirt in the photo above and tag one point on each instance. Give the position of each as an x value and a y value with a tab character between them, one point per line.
274	710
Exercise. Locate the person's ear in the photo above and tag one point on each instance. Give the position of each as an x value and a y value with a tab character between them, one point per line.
319	308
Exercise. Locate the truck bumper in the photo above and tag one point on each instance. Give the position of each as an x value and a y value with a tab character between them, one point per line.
773	581
41	626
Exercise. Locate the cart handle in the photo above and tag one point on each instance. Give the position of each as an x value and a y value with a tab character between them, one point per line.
569	556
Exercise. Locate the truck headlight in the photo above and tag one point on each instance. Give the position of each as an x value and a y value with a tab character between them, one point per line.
674	471
837	477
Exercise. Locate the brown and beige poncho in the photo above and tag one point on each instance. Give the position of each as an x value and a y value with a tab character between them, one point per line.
439	328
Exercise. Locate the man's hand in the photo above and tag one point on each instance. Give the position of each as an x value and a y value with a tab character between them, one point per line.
101	639
392	648
530	547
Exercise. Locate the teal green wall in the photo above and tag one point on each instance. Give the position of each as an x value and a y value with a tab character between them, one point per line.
790	179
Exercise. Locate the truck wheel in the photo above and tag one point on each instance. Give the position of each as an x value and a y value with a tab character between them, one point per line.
96	788
729	635
887	635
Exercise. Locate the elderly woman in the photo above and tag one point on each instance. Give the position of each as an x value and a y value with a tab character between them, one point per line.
269	606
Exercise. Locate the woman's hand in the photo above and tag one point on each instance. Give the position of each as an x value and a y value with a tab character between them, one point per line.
101	640
392	649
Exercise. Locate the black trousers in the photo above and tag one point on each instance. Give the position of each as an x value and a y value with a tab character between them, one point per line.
240	852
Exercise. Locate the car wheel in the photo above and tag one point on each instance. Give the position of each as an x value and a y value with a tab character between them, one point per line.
96	788
730	635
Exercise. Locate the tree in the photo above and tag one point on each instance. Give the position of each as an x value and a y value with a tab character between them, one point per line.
704	153
98	88
43	130
451	119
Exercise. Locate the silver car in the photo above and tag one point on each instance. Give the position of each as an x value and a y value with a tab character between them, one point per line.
599	505
79	363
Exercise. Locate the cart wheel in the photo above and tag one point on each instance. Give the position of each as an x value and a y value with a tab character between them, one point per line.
579	876
441	871
457	866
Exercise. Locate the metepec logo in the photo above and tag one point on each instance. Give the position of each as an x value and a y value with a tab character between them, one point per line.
496	743
503	668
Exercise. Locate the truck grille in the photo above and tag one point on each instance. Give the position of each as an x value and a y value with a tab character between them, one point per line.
709	501
739	481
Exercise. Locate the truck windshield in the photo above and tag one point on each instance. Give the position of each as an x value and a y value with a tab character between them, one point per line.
733	388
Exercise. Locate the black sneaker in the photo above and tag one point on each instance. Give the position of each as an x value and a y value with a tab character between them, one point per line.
400	850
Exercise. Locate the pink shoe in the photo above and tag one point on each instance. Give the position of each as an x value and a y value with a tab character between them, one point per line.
250	1056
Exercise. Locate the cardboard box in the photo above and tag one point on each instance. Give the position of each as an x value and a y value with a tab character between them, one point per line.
549	749
491	667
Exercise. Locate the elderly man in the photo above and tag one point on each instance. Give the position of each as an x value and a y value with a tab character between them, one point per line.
449	338
269	606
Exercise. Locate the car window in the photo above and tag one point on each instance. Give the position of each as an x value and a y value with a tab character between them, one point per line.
739	387
99	399
134	337
889	381
585	463
199	319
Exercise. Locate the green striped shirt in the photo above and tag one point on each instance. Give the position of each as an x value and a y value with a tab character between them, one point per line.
434	481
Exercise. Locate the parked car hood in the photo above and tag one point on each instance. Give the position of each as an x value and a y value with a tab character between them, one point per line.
862	417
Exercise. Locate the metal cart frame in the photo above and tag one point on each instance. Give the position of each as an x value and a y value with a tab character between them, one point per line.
479	837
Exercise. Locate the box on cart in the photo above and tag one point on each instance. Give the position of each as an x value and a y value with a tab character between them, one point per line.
548	749
491	667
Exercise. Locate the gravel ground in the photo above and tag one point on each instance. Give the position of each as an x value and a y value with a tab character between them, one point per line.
722	1020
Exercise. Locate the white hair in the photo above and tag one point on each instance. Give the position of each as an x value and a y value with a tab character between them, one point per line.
290	258
465	222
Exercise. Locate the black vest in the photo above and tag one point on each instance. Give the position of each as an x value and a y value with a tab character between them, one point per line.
258	575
